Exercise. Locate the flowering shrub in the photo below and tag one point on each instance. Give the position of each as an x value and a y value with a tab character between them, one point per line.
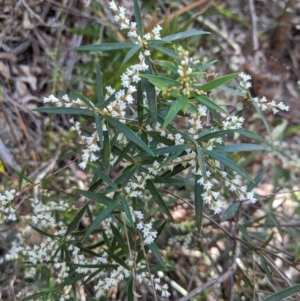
134	150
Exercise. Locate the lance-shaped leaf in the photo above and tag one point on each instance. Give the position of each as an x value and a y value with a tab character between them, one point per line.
230	211
119	238
64	110
99	86
284	293
138	17
158	199
183	35
160	81
99	129
227	162
104	47
129	134
209	103
99	218
104	177
155	251
150	92
174	109
241	147
217	82
201	161
166	51
198	202
130	53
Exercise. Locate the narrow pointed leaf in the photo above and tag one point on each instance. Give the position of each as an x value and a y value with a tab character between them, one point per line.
99	86
131	53
117	259
227	162
217	82
126	210
246	236
174	109
85	100
209	103
284	293
138	17
128	133
99	218
155	251
73	225
119	238
104	177
183	35
230	211
160	81
150	92
64	110
106	151
104	47
198	202
158	199
201	161
166	51
99	129
241	147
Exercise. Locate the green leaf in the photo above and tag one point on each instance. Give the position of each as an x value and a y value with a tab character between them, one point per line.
217	82
106	151
175	182
138	17
265	267
128	133
284	293
198	202
201	161
130	295
241	147
99	129
209	103
247	237
150	92
158	199
168	65
155	251
166	51
166	150
73	225
126	209
266	242
131	52
184	34
160	81
104	47
64	110
103	176
227	162
99	218
119	238
208	134
230	211
206	65
117	259
256	180
175	107
99	86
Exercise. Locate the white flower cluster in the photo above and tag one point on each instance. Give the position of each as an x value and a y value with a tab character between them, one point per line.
41	253
233	122
89	143
7	209
146	228
262	103
196	121
66	102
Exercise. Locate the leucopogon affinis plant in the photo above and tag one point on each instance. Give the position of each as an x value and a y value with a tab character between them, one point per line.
135	131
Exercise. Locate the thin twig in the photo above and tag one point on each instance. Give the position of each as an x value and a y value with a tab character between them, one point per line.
210	283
